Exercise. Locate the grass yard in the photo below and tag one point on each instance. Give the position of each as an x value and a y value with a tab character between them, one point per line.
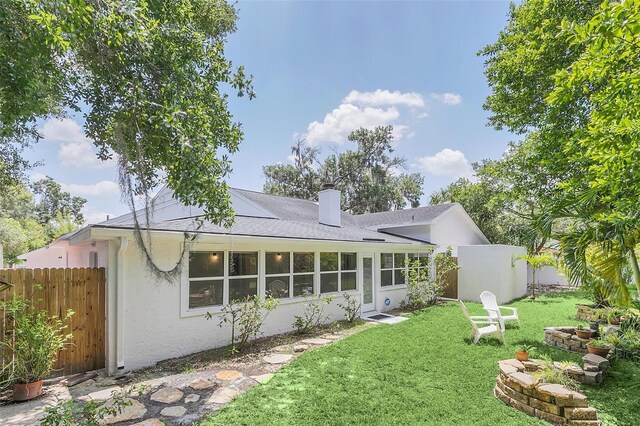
422	371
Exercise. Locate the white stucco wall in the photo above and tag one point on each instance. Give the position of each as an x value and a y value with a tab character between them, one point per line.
548	275
492	268
454	228
60	254
158	324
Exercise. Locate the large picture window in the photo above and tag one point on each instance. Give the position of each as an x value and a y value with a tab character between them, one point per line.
243	275
392	267
206	279
337	271
278	274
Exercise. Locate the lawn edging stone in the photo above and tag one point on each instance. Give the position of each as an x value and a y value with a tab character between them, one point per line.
553	403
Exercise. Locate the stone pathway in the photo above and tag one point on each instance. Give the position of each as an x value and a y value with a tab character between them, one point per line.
179	399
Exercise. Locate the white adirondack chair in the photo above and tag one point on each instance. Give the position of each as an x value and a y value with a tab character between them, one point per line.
482	325
496	312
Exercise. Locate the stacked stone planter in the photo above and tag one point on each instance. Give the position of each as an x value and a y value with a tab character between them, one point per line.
550	402
565	338
588	313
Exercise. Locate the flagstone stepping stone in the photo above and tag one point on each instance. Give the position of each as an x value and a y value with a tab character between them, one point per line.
175	411
262	378
300	348
192	398
102	395
277	358
201	384
222	396
228	375
131	412
316	341
150	422
333	337
167	395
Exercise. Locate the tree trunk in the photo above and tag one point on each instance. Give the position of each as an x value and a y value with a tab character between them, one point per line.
636	270
533	284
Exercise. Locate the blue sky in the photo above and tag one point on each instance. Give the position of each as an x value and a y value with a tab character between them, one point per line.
322	69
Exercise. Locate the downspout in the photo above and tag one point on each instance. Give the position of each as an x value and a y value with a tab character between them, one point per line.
124	242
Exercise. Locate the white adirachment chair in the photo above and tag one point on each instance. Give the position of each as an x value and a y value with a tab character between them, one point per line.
482	325
496	312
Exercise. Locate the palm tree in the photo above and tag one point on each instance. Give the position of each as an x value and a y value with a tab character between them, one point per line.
537	261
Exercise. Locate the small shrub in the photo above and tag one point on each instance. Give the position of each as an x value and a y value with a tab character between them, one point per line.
246	318
424	285
75	413
351	307
549	373
526	348
313	314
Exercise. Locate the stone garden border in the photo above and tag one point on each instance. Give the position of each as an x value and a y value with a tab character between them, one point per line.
565	338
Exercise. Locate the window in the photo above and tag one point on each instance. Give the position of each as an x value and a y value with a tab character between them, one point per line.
392	266
337	271
206	279
423	262
278	274
243	275
303	271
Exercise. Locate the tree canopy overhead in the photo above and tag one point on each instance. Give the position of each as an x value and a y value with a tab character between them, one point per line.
151	79
368	177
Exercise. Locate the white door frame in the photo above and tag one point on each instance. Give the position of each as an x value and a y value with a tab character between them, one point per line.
368	307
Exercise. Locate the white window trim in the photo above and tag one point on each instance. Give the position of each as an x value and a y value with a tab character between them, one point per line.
339	271
393	271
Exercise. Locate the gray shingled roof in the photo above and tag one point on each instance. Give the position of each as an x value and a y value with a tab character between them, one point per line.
401	217
275	228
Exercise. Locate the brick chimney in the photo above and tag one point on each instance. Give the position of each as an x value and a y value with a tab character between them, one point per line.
329	212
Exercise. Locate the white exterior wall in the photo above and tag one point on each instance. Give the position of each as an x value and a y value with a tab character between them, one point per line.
60	254
158	324
547	275
493	268
454	229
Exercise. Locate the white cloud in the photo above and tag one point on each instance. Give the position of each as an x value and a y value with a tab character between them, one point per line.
337	125
102	188
447	162
384	97
447	98
95	216
76	150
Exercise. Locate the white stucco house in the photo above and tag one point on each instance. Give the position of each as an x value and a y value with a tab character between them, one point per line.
60	254
280	246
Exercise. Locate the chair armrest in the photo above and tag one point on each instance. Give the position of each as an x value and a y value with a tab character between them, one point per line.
513	310
485	322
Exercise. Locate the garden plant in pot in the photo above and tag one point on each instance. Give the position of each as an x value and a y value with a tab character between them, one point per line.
583	332
523	351
599	347
29	347
614	314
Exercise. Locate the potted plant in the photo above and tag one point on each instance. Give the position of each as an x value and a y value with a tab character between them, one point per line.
583	332
522	352
29	348
614	314
599	347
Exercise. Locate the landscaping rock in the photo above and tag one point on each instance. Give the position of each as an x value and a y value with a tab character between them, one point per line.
277	358
167	395
596	360
333	337
102	395
222	396
150	422
175	411
192	398
515	363
228	375
201	384
300	348
316	341
581	413
136	410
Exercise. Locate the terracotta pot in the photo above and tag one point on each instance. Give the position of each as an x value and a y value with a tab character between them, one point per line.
522	356
27	391
584	334
614	321
603	352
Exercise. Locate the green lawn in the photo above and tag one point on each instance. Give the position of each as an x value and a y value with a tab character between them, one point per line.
421	371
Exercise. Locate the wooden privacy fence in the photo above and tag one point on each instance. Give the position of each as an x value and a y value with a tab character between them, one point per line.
451	279
57	290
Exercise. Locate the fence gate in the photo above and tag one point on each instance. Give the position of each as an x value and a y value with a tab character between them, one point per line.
451	280
57	290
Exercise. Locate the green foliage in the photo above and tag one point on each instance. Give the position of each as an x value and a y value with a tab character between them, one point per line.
350	306
151	76
526	348
91	413
550	373
426	280
366	177
245	318
313	314
537	262
54	204
599	343
29	349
